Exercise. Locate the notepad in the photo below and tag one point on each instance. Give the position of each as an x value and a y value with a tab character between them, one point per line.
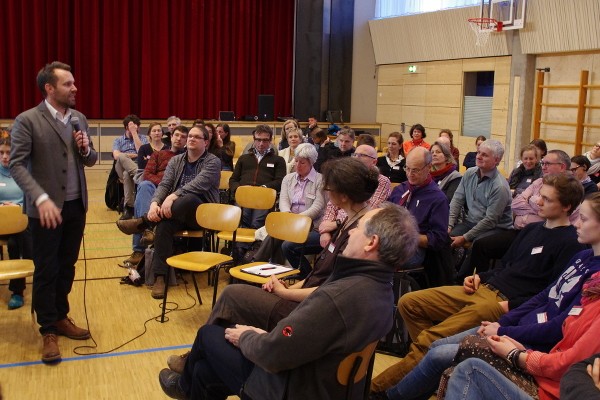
267	269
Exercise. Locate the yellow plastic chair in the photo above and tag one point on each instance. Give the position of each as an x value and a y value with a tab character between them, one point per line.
283	226
13	222
211	217
254	197
356	367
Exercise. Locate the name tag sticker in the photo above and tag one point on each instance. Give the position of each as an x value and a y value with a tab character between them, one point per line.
542	317
576	310
396	167
537	250
2	184
331	248
270	165
528	180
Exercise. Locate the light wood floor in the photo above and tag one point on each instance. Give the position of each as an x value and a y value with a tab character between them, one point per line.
116	314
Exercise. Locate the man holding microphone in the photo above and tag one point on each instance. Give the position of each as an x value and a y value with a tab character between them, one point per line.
50	148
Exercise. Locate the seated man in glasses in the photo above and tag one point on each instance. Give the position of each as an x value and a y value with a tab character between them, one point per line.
260	166
426	202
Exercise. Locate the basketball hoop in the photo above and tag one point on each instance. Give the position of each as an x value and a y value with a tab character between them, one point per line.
483	27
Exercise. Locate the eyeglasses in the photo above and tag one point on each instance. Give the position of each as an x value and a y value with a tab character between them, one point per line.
597	145
415	170
547	163
361	155
262	140
197	137
575	168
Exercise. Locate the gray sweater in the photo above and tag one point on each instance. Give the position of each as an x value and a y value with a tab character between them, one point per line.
205	184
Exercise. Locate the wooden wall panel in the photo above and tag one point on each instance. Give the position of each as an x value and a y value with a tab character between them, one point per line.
389	114
413	115
389	94
390	75
441	117
448	72
443	95
500	100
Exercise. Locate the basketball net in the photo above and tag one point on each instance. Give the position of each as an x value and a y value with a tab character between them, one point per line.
483	27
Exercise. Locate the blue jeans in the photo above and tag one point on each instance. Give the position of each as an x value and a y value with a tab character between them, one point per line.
476	379
143	198
424	379
291	251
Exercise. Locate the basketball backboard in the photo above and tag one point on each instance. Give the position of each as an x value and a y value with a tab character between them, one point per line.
511	13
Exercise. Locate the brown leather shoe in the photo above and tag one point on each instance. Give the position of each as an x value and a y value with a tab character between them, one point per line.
67	328
131	226
50	352
134	259
158	290
176	363
147	237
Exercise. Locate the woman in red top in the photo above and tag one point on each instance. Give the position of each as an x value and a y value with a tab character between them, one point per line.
417	134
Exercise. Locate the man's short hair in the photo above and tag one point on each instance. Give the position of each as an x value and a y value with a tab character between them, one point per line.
47	75
582	161
563	158
569	189
397	232
176	119
496	148
347	131
131	118
263	129
366	138
319	133
181	128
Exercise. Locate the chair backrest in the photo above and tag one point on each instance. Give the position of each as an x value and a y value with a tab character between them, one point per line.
255	197
224	183
218	217
288	226
355	367
13	220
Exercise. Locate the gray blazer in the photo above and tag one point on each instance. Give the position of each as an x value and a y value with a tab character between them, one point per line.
38	161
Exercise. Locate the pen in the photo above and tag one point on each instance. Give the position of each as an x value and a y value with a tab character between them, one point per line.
267	268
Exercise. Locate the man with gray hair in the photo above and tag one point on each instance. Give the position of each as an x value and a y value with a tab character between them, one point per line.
240	358
485	193
172	123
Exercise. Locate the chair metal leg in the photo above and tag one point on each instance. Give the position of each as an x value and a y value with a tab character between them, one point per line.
164	306
215	284
196	287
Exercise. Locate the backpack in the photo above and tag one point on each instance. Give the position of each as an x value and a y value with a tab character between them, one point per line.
113	196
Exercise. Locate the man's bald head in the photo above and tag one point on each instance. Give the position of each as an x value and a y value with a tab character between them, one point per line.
367	154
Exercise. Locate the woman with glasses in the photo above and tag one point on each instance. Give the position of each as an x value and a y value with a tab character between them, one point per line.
443	169
392	164
579	167
594	156
530	169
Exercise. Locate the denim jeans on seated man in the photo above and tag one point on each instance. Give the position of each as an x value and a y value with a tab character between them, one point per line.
143	198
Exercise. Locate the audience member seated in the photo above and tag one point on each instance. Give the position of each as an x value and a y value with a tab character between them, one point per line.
426	202
226	147
469	161
366	138
151	178
350	184
294	138
301	193
260	166
154	145
579	167
212	134
345	311
172	123
191	178
319	137
540	147
392	164
530	169
343	147
475	378
447	133
484	192
288	126
594	156
19	245
311	128
443	169
522	323
535	259
125	152
417	134
335	215
582	380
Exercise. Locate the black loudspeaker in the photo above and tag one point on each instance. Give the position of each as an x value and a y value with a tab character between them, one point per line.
265	107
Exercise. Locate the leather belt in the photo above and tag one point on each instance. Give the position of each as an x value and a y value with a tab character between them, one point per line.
495	289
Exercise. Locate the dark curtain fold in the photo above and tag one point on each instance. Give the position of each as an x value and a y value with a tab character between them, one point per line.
154	58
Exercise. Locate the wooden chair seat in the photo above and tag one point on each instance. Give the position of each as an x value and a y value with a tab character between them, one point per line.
242	235
14	269
197	261
237	273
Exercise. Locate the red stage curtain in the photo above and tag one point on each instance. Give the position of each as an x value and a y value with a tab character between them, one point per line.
153	58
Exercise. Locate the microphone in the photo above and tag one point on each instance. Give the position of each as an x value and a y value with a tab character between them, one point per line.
75	124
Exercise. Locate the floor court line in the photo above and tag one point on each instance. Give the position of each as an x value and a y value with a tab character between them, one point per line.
91	356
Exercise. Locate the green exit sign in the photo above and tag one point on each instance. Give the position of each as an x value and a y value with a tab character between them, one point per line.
412	68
